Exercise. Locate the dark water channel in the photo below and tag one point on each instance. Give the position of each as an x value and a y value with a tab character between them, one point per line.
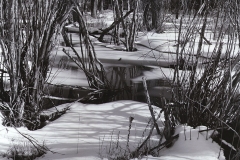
120	77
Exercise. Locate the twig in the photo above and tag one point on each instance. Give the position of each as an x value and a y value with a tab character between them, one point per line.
165	143
150	106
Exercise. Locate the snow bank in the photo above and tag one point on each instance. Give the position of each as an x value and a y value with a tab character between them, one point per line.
86	131
193	145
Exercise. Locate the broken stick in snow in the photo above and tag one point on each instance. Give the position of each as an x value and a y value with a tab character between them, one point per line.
150	106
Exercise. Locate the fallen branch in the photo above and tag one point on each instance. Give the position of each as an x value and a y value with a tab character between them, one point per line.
105	31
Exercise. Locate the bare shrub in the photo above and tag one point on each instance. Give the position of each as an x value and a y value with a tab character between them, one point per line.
206	91
28	34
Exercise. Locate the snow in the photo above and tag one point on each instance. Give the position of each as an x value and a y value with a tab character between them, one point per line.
67	77
195	146
86	131
156	73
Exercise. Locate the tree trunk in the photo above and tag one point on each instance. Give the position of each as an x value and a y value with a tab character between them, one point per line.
85	6
155	12
100	6
94	8
145	17
109	4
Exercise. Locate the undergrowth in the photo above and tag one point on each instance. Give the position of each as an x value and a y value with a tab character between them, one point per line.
24	151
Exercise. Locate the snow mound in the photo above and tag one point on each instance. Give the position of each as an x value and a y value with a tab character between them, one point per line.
193	145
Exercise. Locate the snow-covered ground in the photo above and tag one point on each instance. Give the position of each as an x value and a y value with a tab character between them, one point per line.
86	131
